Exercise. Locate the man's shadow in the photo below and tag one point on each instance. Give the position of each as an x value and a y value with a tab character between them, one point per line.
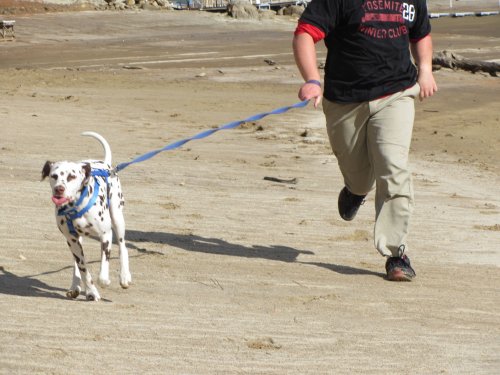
217	246
212	246
27	286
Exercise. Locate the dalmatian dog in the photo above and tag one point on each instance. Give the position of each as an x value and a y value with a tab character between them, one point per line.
89	202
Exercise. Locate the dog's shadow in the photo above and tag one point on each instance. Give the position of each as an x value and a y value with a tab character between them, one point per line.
221	247
27	286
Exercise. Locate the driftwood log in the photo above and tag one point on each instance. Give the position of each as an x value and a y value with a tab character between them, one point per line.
451	60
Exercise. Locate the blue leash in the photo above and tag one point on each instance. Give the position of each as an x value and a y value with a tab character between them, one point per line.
206	133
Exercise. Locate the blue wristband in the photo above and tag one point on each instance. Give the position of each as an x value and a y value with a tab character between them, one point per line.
314	82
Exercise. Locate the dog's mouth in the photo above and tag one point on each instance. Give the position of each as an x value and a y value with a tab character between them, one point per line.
59	201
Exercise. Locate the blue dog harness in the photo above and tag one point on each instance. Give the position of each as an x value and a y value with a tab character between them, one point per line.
72	213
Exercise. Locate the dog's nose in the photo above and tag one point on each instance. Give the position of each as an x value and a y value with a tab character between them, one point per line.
59	190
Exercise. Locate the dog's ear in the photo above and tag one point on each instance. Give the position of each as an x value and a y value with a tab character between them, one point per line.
46	169
87	169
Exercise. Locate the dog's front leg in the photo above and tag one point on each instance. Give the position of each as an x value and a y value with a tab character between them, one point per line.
90	290
75	289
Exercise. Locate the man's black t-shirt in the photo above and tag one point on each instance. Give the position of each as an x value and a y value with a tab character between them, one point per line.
368	45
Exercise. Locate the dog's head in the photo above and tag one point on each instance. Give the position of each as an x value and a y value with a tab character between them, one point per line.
66	180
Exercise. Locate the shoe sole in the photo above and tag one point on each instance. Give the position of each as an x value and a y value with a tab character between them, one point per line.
399	275
348	218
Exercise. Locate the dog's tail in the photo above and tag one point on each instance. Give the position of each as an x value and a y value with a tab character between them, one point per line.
105	145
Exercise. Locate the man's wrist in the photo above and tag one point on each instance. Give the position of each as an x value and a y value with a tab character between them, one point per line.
425	68
314	82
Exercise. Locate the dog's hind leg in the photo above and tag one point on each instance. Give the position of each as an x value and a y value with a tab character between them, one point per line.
116	211
125	276
106	240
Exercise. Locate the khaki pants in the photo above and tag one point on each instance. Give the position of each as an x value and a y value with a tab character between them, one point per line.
371	141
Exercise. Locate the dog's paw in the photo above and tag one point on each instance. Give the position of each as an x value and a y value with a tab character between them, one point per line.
73	293
93	297
125	280
104	282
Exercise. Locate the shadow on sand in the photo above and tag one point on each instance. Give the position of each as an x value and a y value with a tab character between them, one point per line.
28	286
221	247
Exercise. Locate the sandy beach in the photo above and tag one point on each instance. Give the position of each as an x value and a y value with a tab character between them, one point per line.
234	273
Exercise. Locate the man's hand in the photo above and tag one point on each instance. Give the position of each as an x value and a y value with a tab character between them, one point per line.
427	84
311	91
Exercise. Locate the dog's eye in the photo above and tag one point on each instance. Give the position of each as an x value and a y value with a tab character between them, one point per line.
71	177
54	176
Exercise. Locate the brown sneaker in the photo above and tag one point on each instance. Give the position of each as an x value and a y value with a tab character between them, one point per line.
399	269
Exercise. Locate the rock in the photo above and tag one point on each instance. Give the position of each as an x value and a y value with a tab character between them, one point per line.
291	10
243	10
265	14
